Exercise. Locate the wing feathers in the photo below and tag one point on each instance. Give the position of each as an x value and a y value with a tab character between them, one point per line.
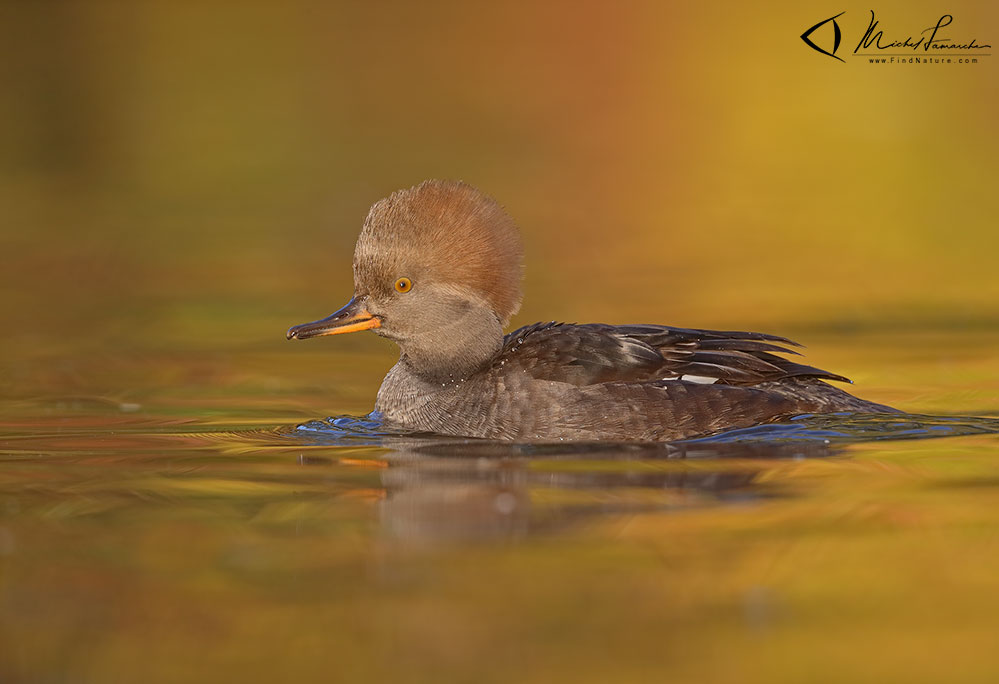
593	354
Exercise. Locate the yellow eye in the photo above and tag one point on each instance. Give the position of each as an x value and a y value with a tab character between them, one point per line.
403	285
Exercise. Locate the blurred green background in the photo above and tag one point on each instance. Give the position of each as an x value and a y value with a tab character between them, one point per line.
184	178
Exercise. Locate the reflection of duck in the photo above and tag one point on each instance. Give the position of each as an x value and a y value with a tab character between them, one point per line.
475	490
437	270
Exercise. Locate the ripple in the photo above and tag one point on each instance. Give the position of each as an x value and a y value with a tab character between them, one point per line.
803	436
859	427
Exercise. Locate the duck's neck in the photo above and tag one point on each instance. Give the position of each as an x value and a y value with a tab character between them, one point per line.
453	352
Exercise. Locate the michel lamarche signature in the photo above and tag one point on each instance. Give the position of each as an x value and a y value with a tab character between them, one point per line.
874	38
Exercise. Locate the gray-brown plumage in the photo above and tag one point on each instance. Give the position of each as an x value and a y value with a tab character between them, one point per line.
437	269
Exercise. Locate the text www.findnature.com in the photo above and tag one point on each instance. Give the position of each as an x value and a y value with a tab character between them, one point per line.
923	60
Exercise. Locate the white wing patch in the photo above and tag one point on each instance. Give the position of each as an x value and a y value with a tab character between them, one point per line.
699	379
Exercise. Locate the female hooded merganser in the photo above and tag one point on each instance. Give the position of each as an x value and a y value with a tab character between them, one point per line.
437	269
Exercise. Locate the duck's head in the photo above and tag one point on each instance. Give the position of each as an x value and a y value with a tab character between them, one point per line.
437	269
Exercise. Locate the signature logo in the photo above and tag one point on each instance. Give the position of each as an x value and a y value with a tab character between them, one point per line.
837	36
930	40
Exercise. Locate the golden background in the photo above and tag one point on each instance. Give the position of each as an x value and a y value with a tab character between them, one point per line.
182	181
684	163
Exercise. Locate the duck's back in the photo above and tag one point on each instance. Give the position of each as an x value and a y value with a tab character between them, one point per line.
555	381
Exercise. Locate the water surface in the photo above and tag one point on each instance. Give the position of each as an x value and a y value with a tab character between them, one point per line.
144	543
181	182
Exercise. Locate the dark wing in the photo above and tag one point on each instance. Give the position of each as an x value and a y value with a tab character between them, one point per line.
595	353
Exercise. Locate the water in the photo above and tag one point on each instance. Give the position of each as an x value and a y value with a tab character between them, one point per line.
843	428
139	547
181	182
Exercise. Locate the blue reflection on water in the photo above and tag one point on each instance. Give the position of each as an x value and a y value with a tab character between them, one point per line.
828	430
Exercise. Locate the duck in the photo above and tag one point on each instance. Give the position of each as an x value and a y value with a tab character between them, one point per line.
437	269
